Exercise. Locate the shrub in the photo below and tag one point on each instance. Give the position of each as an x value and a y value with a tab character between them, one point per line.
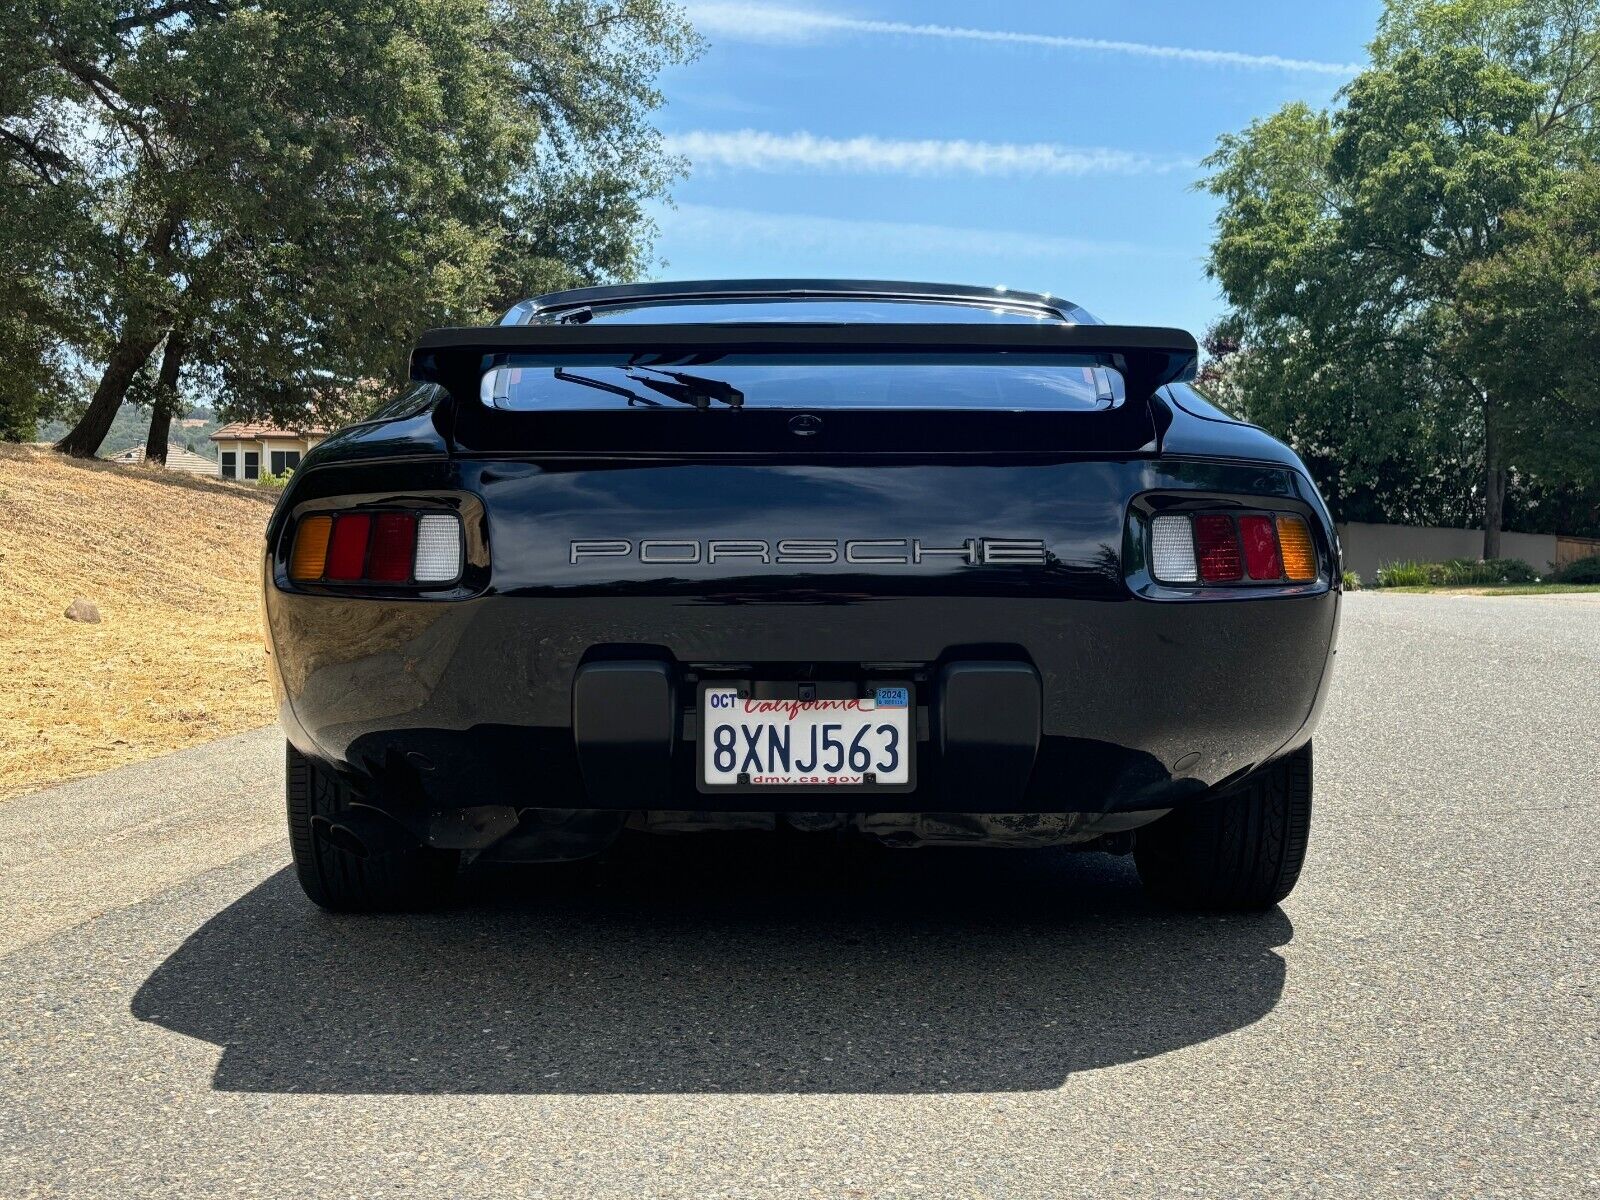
1408	574
1583	570
1351	581
275	482
1458	572
1498	572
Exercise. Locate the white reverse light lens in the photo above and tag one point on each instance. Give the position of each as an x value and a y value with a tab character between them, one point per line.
1171	550
438	548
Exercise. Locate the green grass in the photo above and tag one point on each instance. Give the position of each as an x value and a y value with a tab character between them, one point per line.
1508	589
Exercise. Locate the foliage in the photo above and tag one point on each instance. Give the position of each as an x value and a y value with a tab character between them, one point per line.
1350	581
1584	570
271	482
1545	279
45	234
128	429
1359	250
284	191
1458	572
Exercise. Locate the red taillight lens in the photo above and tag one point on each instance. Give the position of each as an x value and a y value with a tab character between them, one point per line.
394	539
1261	558
347	549
1217	546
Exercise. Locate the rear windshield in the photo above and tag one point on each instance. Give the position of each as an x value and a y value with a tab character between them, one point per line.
847	309
1075	383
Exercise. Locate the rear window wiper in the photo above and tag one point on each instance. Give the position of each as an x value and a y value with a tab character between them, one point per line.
690	389
684	388
631	396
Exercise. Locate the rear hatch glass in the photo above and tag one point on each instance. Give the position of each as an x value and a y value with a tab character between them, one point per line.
524	385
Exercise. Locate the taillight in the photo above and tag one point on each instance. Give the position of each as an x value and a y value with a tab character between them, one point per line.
438	547
1299	555
394	541
347	552
310	548
391	547
1225	548
1261	559
1172	550
1217	547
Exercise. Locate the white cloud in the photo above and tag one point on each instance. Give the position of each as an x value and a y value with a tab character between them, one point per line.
774	24
757	150
764	231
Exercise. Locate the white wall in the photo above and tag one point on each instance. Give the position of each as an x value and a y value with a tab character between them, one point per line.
1368	547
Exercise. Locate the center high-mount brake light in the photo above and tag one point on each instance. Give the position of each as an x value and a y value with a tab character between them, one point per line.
398	547
1224	548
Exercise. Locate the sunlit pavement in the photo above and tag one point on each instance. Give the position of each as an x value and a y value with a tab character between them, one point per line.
742	1016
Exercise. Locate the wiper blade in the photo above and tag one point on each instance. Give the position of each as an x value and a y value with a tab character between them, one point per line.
628	394
684	388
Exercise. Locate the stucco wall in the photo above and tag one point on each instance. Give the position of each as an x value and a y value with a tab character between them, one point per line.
1368	547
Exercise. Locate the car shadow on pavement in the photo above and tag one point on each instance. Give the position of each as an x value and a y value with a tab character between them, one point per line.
721	964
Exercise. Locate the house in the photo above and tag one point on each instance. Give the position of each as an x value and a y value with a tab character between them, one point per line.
178	459
249	451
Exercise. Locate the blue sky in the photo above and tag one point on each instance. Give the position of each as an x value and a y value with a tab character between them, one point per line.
1047	146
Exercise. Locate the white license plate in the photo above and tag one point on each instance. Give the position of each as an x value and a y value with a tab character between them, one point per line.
808	743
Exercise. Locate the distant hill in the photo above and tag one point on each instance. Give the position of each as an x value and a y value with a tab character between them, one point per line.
131	426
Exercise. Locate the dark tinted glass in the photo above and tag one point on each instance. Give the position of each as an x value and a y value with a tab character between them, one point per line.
1074	384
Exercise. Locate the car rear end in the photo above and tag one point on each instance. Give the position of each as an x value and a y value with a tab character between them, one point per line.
975	578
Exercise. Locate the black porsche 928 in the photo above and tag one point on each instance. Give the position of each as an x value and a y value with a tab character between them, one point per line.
917	563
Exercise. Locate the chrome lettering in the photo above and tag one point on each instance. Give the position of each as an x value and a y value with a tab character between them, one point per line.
617	548
854	552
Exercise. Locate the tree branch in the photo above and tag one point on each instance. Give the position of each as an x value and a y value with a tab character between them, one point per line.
174	8
45	159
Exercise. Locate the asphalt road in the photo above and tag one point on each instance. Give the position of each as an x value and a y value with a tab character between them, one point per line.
710	1017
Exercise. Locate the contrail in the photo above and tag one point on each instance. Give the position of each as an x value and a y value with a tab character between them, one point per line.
770	23
758	150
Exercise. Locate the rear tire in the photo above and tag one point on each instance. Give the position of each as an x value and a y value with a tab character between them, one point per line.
341	881
1240	851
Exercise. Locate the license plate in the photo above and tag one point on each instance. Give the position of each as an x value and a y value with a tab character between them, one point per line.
860	742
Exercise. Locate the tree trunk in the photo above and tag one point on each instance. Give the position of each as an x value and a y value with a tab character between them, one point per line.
166	403
131	351
141	332
155	442
1494	487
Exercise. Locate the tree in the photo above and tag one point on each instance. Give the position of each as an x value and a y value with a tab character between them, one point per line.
1531	316
47	234
1345	241
289	189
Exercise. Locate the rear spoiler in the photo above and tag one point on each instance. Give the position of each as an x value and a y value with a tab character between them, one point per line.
1150	357
1147	357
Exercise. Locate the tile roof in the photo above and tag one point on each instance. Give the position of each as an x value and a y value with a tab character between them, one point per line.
179	458
249	431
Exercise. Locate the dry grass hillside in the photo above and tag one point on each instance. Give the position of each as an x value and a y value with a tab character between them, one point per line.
171	562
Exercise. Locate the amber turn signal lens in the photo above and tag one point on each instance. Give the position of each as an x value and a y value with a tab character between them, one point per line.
310	548
1299	555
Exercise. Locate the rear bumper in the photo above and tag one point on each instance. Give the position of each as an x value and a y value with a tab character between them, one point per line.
587	702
